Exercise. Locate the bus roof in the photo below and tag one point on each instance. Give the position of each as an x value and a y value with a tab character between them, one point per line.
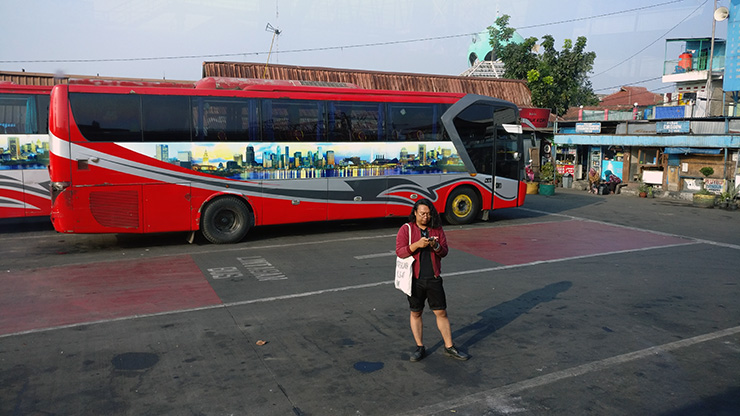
128	83
262	88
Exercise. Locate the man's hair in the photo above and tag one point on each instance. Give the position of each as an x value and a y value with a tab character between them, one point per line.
435	220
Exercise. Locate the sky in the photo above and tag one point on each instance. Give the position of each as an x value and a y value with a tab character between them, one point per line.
170	39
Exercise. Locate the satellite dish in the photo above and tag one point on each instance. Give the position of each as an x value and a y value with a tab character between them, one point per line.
721	14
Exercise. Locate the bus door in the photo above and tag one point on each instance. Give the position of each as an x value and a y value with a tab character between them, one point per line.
485	131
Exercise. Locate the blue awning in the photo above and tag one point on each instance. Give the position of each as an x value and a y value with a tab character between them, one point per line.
690	150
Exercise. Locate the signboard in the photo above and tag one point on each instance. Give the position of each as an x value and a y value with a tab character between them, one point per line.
615	167
539	117
672	127
731	80
653	177
589	128
670	112
714	186
566	169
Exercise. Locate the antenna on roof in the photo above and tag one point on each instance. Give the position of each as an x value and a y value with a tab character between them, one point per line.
275	32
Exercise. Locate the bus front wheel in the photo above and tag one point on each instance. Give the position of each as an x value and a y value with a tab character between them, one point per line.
225	220
463	206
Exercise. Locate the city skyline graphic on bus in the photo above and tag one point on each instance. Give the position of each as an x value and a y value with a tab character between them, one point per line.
24	151
306	160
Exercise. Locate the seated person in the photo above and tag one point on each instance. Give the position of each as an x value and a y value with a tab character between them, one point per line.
612	181
593	180
529	171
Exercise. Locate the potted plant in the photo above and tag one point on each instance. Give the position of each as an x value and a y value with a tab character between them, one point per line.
642	190
704	198
547	179
730	197
723	200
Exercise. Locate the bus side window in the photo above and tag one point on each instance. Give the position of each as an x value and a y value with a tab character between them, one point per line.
366	119
222	119
19	114
42	102
414	122
107	117
268	129
340	125
295	120
355	121
166	118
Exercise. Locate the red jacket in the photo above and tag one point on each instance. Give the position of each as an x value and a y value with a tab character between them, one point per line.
403	249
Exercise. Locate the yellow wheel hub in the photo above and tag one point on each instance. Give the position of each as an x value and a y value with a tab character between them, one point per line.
461	206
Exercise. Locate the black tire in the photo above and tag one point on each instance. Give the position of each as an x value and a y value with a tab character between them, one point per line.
225	220
463	206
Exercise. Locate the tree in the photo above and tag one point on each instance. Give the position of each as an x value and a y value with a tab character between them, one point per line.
558	79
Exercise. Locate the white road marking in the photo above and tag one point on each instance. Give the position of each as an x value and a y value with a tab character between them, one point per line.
330	290
585	256
627	227
372	256
500	393
390	253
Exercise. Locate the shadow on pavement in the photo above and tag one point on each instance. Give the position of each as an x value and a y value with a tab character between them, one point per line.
726	403
24	225
496	317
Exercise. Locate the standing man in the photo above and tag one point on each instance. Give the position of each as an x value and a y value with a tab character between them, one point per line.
428	246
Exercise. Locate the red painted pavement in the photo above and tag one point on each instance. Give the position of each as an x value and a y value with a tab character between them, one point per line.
523	244
66	295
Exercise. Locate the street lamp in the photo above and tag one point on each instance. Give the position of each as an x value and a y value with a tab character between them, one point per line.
719	14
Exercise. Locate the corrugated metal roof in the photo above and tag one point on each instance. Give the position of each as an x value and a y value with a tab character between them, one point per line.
31	78
515	91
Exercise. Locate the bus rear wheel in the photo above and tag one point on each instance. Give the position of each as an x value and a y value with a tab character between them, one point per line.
226	220
463	206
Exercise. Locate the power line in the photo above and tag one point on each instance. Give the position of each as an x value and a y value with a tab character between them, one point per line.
632	83
601	15
653	42
161	58
326	48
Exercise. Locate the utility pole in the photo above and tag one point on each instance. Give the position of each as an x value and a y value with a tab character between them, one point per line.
709	88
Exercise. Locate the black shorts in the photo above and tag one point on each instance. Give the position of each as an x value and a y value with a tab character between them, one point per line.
427	290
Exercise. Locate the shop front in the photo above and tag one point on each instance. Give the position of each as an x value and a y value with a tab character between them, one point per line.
671	158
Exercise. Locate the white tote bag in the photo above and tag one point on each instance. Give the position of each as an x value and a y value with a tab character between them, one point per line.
404	272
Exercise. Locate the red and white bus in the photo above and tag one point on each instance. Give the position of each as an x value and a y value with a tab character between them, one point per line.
229	154
24	151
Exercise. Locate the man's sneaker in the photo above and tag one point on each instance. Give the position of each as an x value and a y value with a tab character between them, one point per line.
417	355
454	353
